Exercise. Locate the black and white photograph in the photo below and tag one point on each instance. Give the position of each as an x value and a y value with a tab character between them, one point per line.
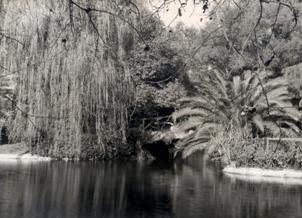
150	108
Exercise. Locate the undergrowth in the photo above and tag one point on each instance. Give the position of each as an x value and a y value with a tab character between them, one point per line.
233	146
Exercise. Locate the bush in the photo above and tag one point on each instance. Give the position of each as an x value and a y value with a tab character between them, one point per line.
281	155
234	146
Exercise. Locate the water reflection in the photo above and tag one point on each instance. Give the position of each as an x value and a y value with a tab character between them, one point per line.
131	189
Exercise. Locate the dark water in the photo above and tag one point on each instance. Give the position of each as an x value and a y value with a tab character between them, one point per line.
131	189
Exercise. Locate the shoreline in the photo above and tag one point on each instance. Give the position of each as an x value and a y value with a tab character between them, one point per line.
22	157
251	171
18	152
258	175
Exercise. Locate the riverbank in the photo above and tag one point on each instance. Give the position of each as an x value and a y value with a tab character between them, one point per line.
285	173
265	179
19	151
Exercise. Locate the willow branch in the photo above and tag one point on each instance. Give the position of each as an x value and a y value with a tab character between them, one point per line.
88	10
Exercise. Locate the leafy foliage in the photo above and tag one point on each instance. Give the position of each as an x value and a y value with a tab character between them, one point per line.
158	74
254	102
250	44
74	86
232	146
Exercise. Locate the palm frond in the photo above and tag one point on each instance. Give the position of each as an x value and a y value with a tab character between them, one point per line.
221	102
188	112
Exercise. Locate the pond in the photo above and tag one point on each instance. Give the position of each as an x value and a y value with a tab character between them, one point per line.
195	188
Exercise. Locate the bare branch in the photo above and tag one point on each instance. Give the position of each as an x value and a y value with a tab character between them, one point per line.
88	10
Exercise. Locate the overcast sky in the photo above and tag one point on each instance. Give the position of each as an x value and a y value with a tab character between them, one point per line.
190	17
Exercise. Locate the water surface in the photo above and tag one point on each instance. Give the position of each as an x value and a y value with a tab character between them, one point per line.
131	189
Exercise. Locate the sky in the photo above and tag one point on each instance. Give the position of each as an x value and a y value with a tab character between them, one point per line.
190	17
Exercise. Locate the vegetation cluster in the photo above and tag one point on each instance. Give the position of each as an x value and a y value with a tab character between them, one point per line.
248	87
99	79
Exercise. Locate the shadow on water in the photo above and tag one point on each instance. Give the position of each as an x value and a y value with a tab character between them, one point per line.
195	188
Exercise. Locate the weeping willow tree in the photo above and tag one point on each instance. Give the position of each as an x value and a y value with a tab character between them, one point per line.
73	86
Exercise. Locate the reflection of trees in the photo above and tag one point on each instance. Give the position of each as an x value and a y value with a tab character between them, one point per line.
128	189
202	191
83	190
70	190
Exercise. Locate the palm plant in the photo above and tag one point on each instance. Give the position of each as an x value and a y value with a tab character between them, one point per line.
255	103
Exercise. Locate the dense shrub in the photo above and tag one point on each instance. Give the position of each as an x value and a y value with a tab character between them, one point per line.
234	146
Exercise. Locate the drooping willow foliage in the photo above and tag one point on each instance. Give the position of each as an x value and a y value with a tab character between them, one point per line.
73	86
